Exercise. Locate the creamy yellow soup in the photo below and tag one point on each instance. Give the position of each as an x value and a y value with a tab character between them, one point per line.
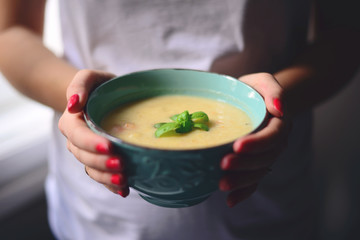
134	122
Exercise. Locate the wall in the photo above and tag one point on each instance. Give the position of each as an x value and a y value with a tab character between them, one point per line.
24	133
337	162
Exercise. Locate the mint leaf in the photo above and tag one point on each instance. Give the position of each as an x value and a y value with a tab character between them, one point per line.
157	125
166	128
183	123
174	117
201	126
200	117
183	117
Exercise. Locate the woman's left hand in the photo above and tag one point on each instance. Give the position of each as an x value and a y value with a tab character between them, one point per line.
254	154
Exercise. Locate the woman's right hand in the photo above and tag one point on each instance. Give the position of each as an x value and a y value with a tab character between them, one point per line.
89	148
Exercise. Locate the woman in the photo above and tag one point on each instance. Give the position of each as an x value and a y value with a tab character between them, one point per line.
265	43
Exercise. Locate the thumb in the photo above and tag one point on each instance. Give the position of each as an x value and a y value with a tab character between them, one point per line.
81	86
269	89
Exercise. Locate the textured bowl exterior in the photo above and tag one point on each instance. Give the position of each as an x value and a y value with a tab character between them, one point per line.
172	178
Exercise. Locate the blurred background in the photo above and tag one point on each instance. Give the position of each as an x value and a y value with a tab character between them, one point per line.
24	133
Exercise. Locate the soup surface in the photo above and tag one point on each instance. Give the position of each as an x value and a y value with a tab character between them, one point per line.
134	122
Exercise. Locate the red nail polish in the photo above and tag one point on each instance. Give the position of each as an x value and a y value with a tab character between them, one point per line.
113	163
238	146
124	192
73	100
102	148
231	202
224	185
278	106
227	162
118	179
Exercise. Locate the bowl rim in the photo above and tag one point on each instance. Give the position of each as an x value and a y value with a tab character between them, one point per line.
91	123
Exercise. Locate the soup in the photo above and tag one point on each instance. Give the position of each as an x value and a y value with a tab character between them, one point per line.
134	122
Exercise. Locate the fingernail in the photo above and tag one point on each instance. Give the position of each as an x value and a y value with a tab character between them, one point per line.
231	202
113	163
227	162
278	106
73	100
102	148
238	146
124	192
117	179
224	185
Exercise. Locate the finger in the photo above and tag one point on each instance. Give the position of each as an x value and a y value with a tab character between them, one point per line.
273	134
237	180
74	128
100	162
269	88
111	188
116	180
249	162
82	84
240	195
124	191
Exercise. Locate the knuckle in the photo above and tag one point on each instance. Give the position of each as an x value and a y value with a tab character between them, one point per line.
75	151
270	80
83	74
70	135
77	81
265	75
96	175
61	125
68	146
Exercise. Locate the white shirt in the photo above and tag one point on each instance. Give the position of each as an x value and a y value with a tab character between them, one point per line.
122	36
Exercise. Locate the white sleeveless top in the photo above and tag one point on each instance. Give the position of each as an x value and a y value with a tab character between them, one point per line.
122	36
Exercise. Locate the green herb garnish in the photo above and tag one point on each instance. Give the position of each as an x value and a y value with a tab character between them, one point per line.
183	123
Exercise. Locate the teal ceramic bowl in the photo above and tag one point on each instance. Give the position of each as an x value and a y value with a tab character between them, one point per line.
172	178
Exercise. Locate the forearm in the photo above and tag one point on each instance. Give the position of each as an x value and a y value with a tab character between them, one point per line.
32	69
322	71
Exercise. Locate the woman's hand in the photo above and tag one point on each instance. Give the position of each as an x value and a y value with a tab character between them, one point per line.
254	154
89	148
